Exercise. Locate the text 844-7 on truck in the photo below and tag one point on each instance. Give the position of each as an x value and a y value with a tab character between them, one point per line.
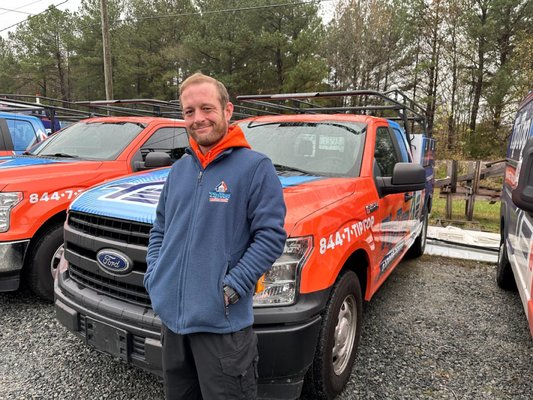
358	191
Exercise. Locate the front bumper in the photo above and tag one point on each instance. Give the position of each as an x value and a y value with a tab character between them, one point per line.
132	334
11	263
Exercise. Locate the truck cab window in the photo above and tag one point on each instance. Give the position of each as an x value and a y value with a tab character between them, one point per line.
172	141
385	153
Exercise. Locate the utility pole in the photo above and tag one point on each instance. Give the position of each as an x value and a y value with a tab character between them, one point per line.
108	69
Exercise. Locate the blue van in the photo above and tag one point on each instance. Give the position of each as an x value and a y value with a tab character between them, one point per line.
18	132
515	260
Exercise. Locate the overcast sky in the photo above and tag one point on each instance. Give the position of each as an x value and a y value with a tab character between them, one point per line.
13	12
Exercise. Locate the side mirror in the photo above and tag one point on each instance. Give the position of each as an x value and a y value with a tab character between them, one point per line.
406	177
522	195
154	159
157	159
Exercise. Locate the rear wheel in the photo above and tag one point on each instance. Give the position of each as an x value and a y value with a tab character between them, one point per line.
504	272
42	261
338	341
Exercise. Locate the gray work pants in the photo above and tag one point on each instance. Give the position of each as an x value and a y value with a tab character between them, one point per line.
210	366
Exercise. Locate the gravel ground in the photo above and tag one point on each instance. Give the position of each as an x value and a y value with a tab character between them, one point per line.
439	328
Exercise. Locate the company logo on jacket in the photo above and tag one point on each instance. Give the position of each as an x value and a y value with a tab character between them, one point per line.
220	194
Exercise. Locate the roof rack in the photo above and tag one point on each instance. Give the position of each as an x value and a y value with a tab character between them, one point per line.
136	107
44	107
393	101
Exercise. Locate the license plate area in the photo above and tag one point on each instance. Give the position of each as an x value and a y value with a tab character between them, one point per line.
108	339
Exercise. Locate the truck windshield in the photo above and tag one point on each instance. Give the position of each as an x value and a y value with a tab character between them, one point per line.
94	141
325	148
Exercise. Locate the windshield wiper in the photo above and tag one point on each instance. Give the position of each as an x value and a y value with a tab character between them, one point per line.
254	124
281	167
62	155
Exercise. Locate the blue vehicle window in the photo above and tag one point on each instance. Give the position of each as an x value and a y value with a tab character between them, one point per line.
402	144
22	134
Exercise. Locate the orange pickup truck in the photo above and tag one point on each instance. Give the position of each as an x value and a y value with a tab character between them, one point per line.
358	191
36	188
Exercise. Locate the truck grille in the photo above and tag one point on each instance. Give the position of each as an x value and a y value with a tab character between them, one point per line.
128	232
110	287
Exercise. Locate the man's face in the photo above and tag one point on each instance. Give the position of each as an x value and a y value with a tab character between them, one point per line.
205	118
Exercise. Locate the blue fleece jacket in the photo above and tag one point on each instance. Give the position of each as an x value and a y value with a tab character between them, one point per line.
214	226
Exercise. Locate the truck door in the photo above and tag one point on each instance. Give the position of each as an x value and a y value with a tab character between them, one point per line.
22	133
391	230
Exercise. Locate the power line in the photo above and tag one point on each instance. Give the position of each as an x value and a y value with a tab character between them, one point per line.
43	12
208	12
227	10
18	8
14	10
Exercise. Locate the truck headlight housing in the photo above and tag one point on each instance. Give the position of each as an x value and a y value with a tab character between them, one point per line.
8	200
277	287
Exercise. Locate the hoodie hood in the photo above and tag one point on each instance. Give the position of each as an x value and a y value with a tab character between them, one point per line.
234	138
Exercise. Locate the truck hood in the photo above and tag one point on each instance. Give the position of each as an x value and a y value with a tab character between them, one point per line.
309	195
135	197
14	170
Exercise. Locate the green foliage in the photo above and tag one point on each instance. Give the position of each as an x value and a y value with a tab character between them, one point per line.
43	46
8	68
257	46
486	143
466	62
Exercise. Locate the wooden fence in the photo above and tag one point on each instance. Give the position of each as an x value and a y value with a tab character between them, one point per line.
467	186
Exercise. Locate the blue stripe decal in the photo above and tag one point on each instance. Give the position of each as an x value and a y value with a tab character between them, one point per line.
133	198
16	162
287	181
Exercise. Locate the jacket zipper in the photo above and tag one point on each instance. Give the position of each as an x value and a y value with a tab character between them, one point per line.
190	233
183	271
226	306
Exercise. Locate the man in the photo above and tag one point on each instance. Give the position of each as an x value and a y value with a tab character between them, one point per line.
218	228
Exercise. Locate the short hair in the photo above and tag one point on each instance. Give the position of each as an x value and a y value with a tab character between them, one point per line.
198	78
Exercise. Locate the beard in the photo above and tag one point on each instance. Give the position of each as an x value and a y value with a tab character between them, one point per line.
215	131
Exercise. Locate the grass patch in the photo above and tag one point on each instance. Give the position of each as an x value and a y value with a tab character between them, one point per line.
486	215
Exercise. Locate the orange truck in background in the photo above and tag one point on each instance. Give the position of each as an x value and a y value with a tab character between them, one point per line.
37	187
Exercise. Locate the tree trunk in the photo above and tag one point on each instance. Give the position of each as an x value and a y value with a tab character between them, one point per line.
480	70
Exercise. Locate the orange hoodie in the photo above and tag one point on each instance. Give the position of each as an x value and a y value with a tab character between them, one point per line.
234	138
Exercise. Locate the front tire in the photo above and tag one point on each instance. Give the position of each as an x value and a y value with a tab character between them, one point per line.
418	247
42	261
504	272
338	340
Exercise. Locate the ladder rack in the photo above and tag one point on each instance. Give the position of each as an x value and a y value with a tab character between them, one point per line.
367	102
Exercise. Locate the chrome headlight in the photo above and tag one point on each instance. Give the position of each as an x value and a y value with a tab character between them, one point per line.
277	287
7	202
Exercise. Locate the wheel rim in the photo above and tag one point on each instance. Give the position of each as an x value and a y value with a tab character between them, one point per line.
344	335
55	260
